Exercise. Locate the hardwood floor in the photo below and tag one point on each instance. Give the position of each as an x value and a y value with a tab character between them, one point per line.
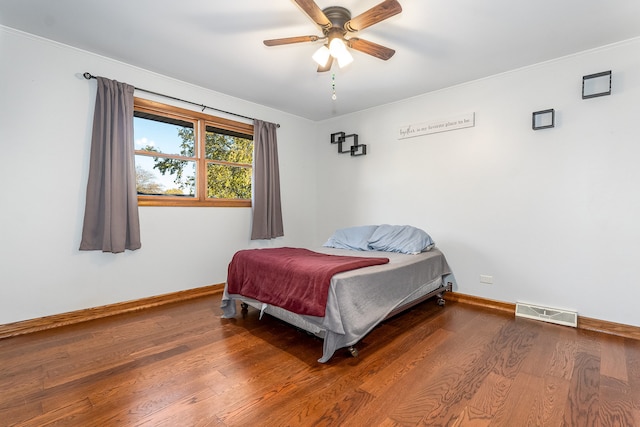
182	365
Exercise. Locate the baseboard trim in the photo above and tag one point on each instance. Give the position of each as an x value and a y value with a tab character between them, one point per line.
72	317
586	323
481	302
49	322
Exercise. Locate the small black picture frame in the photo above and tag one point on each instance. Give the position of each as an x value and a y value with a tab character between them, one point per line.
359	150
543	119
598	84
339	138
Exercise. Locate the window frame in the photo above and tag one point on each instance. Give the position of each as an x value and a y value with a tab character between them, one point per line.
200	121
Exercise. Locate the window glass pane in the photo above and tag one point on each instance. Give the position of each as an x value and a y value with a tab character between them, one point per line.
165	176
228	182
174	158
163	134
228	146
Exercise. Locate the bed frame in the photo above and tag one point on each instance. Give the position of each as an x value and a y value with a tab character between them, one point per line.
438	293
385	291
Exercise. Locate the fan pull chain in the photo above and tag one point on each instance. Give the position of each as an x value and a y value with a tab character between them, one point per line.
333	86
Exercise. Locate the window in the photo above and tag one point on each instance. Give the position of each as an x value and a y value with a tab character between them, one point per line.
187	158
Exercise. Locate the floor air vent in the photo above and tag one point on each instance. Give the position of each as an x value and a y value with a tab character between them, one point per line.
546	314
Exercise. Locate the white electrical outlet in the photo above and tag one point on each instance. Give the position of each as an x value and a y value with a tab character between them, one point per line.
486	279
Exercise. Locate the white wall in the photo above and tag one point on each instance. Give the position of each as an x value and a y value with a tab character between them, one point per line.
551	214
46	110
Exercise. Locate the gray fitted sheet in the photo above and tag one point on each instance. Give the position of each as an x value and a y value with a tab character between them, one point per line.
360	299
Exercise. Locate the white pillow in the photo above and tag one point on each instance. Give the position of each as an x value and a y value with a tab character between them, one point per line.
400	238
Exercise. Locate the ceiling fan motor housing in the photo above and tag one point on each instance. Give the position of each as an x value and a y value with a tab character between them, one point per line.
338	16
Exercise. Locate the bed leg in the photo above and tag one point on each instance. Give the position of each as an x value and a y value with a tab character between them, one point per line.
440	297
353	351
448	287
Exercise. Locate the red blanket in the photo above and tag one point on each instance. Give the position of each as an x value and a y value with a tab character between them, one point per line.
292	278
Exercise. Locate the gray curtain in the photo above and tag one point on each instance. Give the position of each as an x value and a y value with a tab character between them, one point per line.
111	221
267	212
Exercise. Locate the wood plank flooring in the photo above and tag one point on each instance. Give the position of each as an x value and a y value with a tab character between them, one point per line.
182	365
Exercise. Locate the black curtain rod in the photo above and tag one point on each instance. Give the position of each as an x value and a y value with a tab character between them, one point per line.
90	76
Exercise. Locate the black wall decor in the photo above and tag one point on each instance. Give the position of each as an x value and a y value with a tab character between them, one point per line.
543	119
598	84
355	149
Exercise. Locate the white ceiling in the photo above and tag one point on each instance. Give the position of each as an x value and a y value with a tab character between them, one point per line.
218	44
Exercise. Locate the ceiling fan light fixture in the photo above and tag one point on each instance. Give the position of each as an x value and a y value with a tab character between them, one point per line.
322	56
339	51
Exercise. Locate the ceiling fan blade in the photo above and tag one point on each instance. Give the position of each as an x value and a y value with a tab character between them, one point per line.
289	40
327	66
378	13
371	48
315	13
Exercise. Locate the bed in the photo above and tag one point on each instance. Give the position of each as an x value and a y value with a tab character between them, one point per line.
356	299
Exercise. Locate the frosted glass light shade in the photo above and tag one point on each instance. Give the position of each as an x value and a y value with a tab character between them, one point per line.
322	56
345	59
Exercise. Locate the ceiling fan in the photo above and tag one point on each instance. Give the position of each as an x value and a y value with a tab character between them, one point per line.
336	22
